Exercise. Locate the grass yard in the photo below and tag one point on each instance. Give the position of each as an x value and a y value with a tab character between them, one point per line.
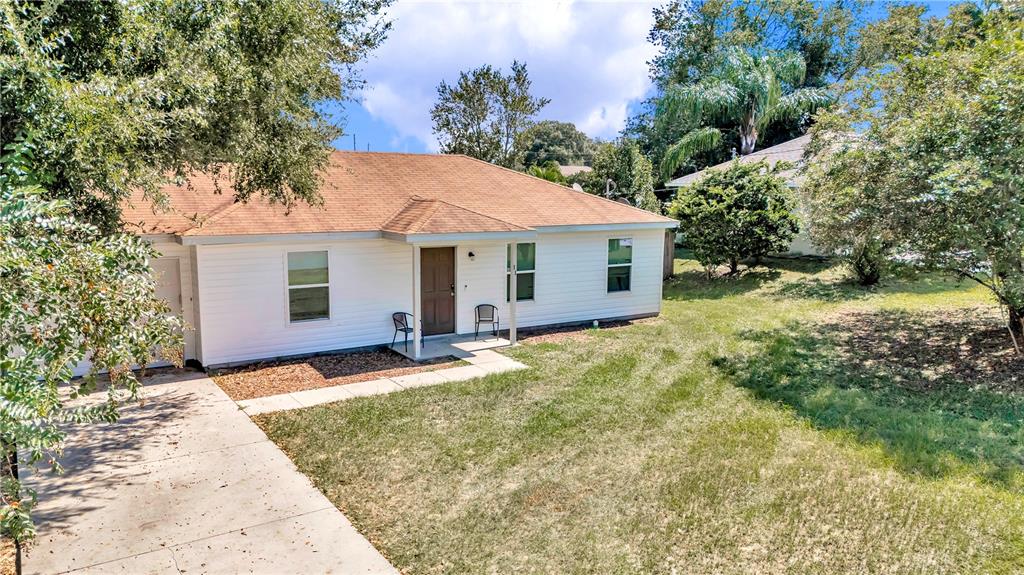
783	422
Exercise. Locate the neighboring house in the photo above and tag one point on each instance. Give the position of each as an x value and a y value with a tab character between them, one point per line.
792	152
569	171
424	234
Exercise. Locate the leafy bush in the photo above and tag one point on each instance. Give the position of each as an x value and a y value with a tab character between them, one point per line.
630	172
934	170
67	293
745	211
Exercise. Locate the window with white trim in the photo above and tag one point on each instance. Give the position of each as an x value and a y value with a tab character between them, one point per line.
620	264
309	296
526	266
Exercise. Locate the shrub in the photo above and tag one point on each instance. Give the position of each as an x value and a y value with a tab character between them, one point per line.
745	211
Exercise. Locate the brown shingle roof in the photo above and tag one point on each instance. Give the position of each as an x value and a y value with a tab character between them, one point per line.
364	191
424	216
791	151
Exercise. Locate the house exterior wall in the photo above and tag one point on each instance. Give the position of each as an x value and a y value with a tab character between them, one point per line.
243	293
183	254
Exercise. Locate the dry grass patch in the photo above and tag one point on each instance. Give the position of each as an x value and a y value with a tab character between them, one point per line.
272	378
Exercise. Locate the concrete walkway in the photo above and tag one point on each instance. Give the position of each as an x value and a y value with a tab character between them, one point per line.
186	483
481	362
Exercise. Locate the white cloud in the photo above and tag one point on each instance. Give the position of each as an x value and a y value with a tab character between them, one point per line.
589	58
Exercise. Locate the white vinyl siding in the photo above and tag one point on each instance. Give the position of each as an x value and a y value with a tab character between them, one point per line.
245	310
571	279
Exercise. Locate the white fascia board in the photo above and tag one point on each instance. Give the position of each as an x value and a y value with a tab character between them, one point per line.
279	238
607	227
419	239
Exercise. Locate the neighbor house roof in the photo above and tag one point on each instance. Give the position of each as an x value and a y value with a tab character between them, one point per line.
380	191
568	171
791	151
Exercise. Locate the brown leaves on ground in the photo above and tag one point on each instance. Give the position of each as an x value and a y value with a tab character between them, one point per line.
969	345
6	556
272	378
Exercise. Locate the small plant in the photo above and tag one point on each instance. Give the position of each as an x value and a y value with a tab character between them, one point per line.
743	212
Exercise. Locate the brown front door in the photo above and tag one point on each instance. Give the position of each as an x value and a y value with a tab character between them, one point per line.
437	267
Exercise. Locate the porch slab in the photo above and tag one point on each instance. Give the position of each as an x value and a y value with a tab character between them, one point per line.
460	346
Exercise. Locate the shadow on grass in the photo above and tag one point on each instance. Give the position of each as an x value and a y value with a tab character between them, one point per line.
941	394
694	284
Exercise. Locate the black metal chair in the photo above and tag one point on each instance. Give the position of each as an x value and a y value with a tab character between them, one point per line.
487	314
402	320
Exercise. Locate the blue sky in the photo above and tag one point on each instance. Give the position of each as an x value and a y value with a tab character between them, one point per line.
588	57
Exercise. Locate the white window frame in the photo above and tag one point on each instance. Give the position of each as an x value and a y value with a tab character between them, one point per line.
609	265
508	272
288	289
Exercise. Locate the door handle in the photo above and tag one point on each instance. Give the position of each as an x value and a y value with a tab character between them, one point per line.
452	287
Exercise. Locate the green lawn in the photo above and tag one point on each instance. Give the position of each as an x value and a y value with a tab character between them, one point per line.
784	422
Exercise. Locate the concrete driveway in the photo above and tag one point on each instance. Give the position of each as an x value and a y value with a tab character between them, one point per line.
186	483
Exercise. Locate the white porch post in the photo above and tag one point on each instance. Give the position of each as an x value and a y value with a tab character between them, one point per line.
512	291
417	303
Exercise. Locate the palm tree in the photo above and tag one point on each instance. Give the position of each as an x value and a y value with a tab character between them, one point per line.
746	90
548	171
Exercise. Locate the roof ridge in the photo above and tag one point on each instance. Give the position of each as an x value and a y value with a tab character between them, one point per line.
454	205
563	187
422	221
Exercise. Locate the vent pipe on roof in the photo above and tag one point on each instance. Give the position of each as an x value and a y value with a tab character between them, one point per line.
609	185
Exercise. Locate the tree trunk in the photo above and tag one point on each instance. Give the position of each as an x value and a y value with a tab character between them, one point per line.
748	139
1017	327
9	467
734	266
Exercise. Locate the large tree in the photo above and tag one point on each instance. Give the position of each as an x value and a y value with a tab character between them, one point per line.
555	141
938	156
748	91
98	99
120	95
67	293
485	113
691	35
621	172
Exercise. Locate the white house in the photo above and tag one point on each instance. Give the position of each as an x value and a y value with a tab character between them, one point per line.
791	151
424	234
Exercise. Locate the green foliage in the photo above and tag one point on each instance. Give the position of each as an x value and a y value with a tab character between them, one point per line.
751	92
124	95
936	172
630	172
690	34
844	205
730	215
485	114
693	35
548	171
67	293
905	32
555	141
